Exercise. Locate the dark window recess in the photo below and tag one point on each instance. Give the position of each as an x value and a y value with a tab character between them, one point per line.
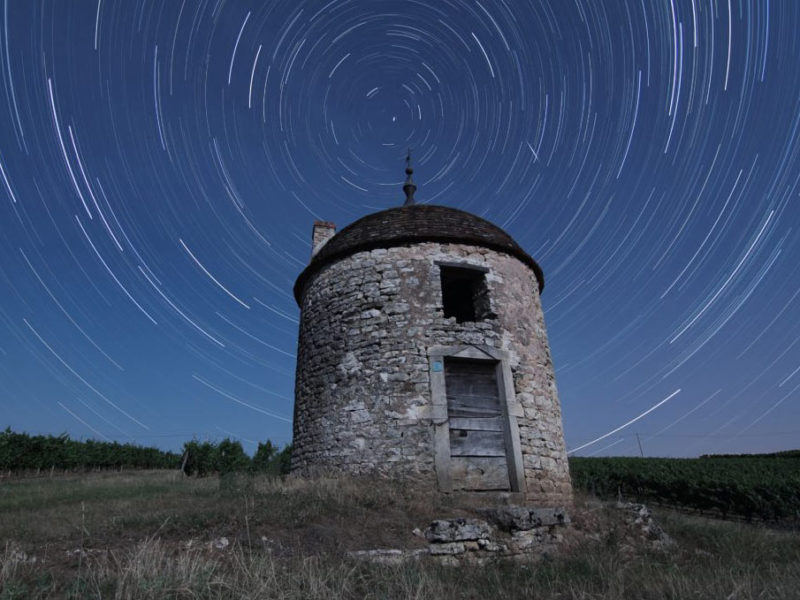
464	294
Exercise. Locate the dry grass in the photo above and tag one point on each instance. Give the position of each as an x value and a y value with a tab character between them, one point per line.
149	535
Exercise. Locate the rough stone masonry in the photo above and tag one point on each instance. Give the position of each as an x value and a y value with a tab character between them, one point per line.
372	396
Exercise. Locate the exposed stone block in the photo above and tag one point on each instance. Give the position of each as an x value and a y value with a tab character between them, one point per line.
456	530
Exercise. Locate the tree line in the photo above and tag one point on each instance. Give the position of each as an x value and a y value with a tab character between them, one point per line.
22	452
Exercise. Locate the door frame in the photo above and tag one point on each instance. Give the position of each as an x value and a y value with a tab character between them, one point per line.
509	411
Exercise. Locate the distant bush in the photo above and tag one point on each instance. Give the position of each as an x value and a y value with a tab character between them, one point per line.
231	457
227	456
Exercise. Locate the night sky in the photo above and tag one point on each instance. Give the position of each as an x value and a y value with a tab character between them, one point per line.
162	162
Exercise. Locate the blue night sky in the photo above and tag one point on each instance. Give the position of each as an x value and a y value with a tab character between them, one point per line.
162	162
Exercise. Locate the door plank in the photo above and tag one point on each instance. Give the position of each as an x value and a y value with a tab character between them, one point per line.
486	473
477	424
471	388
477	443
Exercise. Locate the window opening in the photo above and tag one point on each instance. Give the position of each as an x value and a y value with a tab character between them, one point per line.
465	295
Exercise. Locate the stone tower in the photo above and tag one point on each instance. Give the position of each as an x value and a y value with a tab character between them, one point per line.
423	353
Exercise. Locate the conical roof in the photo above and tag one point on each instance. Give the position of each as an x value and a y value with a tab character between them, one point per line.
412	224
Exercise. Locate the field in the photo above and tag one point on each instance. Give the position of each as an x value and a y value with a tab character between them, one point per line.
158	534
752	487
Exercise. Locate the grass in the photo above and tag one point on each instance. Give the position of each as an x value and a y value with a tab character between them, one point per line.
150	534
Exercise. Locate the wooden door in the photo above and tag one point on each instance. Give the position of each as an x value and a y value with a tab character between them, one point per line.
477	441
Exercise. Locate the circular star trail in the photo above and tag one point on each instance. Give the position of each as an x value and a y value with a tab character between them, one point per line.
161	164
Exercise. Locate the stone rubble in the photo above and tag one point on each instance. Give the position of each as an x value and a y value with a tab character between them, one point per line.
15	554
462	540
455	530
641	522
220	543
522	534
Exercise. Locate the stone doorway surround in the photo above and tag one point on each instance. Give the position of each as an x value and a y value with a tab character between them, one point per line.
509	407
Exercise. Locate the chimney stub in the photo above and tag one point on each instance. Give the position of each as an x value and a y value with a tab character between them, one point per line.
323	231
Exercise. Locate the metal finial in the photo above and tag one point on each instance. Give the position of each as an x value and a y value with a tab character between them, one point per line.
409	188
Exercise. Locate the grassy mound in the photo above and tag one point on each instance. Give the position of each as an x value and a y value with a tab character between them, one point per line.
160	535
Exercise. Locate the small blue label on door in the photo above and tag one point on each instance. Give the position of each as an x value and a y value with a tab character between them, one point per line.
437	366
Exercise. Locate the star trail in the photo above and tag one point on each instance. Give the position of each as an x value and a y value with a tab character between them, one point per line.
161	163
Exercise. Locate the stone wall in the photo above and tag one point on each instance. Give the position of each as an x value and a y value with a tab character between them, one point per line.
362	394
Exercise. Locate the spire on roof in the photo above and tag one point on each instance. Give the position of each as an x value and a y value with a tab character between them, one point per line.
409	188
